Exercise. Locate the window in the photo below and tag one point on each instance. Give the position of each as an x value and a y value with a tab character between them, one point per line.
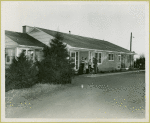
22	50
119	57
77	60
30	54
111	57
38	55
9	55
98	56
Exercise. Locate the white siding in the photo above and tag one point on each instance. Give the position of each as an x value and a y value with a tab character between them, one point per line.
41	36
10	43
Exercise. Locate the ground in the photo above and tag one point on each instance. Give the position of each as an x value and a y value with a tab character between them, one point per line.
111	96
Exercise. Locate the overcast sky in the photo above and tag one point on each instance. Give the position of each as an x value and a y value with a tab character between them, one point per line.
111	21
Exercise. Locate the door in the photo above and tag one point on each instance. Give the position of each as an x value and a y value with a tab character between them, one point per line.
75	59
91	55
122	61
119	61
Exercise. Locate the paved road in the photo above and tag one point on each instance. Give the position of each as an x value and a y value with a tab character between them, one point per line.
115	96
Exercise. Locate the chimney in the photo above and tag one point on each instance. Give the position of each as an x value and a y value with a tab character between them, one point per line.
26	29
69	32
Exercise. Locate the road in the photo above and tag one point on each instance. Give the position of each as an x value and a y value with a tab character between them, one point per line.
115	96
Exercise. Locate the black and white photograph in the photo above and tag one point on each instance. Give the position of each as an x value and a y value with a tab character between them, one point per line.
75	61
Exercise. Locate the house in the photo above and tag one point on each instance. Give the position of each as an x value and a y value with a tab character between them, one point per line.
109	55
16	42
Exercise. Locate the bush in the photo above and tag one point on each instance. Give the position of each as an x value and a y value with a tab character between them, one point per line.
117	70
22	73
102	71
112	71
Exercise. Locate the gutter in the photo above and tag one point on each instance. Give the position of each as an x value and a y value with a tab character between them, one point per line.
31	46
99	50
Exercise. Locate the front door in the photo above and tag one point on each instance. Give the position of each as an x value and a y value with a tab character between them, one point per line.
91	55
75	58
122	61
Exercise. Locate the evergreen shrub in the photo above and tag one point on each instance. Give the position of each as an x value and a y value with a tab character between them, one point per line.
22	73
56	67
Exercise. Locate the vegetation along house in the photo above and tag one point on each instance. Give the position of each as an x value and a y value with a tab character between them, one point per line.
109	56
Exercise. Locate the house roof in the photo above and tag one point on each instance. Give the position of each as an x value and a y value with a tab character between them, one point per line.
85	42
23	39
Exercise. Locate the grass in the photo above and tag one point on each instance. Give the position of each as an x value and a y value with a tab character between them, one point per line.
36	91
17	99
121	70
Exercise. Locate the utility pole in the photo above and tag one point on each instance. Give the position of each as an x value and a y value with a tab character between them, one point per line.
131	49
131	42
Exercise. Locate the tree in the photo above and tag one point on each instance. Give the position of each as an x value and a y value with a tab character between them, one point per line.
55	67
140	62
22	73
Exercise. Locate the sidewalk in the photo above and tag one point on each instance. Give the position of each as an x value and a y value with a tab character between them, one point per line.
106	74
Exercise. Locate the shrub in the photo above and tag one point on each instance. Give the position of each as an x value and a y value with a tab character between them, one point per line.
112	71
117	70
102	71
22	73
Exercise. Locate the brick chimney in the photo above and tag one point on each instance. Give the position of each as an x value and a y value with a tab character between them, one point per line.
26	29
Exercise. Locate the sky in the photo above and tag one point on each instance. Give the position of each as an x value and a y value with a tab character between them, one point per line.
110	21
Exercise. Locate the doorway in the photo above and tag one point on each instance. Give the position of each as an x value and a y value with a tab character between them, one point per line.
75	58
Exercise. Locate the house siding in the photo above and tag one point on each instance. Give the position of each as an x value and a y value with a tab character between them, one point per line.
41	36
10	43
107	65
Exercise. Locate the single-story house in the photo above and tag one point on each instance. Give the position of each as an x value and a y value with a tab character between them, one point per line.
109	55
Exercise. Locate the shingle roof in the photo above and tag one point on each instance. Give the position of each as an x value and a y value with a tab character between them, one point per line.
23	39
85	42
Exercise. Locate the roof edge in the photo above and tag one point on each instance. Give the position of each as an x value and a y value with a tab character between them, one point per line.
12	31
101	50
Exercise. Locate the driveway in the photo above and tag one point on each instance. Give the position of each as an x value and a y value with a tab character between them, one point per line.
115	96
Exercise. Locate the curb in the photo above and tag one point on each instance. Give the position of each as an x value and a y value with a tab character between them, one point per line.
97	75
